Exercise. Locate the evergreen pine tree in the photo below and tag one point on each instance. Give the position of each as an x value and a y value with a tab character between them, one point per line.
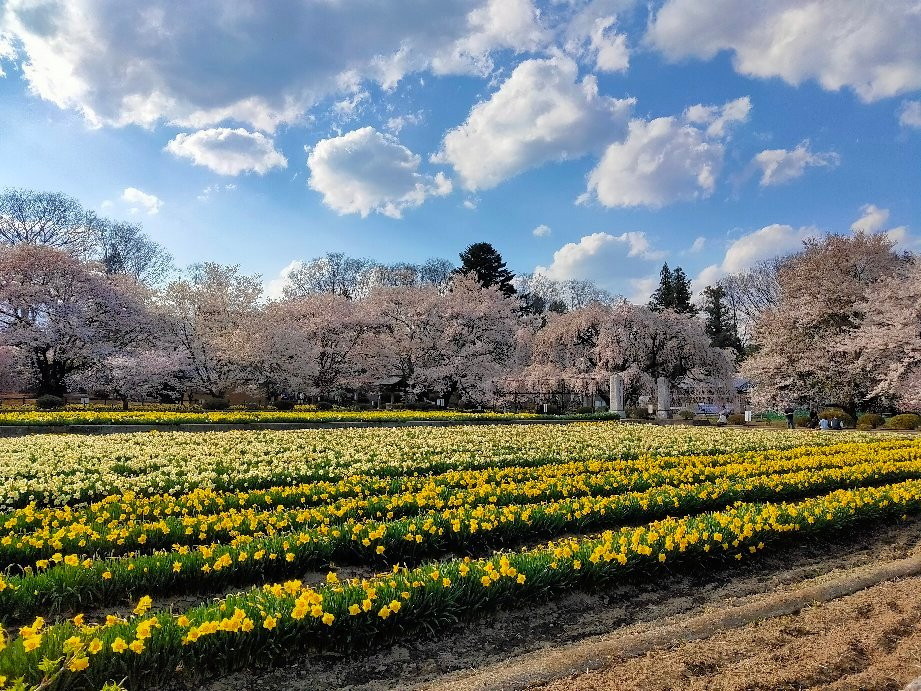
718	322
681	293
664	296
483	261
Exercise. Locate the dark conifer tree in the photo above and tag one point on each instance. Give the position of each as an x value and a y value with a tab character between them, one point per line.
483	261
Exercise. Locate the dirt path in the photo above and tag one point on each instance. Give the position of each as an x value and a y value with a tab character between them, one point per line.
868	640
445	658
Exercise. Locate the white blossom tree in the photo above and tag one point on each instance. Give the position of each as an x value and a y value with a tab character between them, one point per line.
65	315
211	317
887	346
802	353
313	344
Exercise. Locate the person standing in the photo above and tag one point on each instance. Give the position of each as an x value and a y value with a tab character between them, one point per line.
789	411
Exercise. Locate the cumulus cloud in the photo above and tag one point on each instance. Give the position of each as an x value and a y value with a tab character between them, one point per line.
541	113
747	250
870	46
873	219
666	159
365	170
197	64
719	118
228	151
910	114
141	201
541	231
780	165
589	34
611	261
275	288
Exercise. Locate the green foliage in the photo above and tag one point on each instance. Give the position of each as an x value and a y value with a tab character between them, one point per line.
686	414
870	421
736	419
801	421
719	324
638	413
903	421
483	261
49	402
674	292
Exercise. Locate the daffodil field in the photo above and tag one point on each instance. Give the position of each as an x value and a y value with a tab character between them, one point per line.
104	541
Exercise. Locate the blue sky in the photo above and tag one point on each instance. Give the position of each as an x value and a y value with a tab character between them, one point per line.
708	134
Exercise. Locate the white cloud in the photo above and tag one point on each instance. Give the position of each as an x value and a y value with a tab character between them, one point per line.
608	260
396	124
660	161
198	64
608	46
471	204
210	190
541	231
719	118
870	46
910	114
697	245
872	219
7	52
780	165
141	201
747	250
228	151
364	171
541	113
274	289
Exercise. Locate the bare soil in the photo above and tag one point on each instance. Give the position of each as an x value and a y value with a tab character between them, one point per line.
868	640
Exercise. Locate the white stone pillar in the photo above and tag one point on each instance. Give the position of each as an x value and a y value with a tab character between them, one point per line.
663	399
616	401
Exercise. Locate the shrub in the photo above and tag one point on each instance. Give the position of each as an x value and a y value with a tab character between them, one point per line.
638	413
870	421
215	404
903	421
324	405
49	402
831	413
585	410
686	414
284	404
736	419
801	421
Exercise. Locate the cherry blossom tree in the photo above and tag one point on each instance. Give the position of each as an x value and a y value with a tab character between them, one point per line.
887	346
313	344
802	352
65	315
451	344
211	317
585	346
136	375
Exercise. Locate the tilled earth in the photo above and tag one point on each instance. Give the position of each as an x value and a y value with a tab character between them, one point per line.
869	640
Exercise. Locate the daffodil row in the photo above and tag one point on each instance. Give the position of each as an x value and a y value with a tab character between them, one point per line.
274	620
61	470
65	582
166	417
119	525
